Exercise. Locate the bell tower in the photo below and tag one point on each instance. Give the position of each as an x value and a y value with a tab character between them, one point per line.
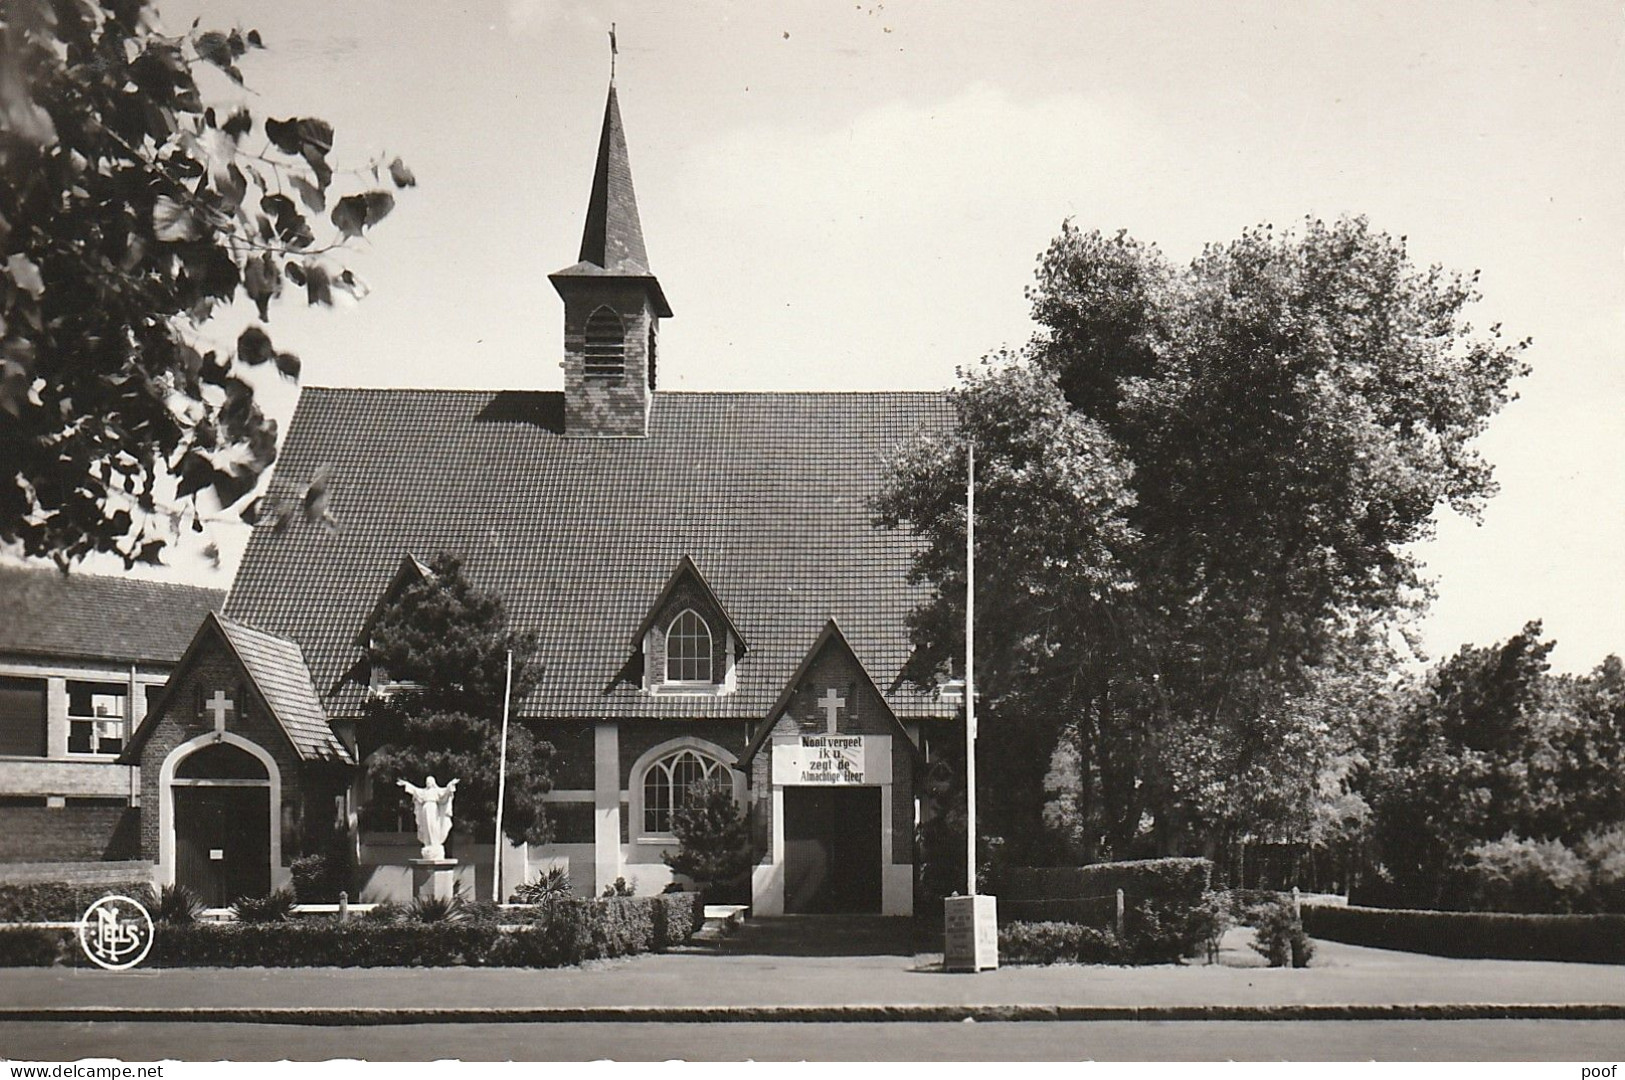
612	304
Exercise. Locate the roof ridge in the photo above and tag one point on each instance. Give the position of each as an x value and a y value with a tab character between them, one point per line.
82	574
239	624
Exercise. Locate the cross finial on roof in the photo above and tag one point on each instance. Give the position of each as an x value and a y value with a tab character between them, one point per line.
613	52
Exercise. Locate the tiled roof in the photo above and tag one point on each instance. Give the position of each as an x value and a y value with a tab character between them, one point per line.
46	613
278	669
768	492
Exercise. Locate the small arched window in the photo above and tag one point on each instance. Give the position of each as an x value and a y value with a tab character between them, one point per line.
606	347
667	783
688	649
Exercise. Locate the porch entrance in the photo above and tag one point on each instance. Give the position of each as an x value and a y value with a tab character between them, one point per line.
832	850
222	825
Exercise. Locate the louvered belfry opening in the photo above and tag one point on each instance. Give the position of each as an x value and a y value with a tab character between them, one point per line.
605	358
612	304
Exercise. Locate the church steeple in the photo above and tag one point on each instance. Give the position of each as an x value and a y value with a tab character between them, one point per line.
613	303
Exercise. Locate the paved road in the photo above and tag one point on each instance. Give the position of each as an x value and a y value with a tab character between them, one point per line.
1448	1040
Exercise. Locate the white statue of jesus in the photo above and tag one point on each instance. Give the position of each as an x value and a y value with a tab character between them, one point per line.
431	805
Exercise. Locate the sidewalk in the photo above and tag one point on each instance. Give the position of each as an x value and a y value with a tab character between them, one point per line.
1344	981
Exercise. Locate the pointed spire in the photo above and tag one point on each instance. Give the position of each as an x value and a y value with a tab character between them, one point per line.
613	238
612	242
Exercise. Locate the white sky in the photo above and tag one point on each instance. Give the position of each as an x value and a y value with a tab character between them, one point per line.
852	196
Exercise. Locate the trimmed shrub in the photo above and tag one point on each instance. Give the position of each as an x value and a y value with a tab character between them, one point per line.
1514	874
681	916
55	901
1279	937
34	946
1502	935
1058	943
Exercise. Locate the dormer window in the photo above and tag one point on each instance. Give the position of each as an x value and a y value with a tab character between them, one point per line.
605	359
687	642
688	649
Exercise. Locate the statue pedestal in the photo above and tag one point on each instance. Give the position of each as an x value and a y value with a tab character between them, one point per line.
434	879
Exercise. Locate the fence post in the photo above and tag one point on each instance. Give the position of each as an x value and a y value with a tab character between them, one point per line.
1119	914
344	906
1297	908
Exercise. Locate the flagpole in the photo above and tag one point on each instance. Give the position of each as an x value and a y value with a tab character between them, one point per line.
970	672
502	786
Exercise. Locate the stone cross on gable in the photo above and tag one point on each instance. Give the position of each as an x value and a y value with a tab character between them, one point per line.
220	705
831	703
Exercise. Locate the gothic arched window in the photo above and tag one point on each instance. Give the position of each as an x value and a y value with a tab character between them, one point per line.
606	347
667	781
688	649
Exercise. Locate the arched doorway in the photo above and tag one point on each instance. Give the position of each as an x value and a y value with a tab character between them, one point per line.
222	819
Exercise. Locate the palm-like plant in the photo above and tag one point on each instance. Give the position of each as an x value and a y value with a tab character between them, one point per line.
174	904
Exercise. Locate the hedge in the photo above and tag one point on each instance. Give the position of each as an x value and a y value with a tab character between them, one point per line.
1059	943
558	933
1166	914
35	946
1082	911
1479	934
55	901
678	915
1180	880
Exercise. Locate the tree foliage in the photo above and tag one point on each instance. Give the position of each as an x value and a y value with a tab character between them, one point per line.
446	644
1197	490
131	211
1490	752
713	837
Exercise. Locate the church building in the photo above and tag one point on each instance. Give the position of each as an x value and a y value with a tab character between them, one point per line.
710	594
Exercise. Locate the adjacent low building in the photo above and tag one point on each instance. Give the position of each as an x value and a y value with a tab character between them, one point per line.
82	656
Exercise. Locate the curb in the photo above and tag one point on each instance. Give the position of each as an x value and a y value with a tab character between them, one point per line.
801	1014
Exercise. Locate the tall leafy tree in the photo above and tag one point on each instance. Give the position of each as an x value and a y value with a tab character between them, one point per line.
445	645
1491	744
1269	429
131	210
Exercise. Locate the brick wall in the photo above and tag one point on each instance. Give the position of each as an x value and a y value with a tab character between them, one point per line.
33	834
640	736
595	407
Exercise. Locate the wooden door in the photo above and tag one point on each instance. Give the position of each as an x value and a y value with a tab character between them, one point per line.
223	841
